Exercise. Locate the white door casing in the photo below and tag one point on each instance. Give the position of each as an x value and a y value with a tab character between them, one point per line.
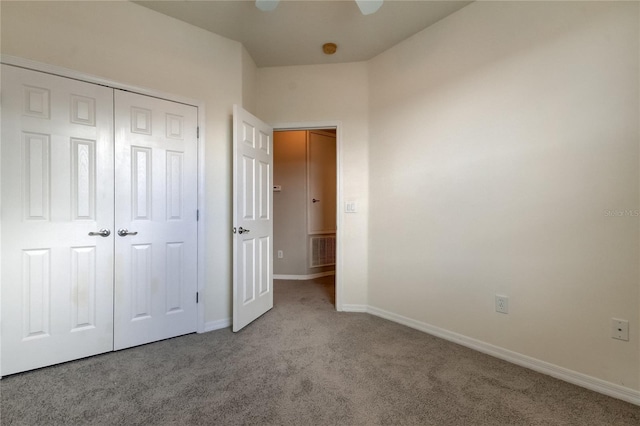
252	218
156	201
340	200
57	187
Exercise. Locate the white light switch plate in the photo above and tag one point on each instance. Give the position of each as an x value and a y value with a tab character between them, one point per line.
350	207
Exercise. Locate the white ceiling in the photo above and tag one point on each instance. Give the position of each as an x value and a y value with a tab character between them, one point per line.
293	34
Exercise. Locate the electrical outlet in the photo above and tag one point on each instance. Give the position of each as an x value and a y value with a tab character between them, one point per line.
280	254
619	329
502	304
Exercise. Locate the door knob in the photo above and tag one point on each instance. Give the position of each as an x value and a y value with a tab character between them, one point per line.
241	230
103	233
315	201
123	232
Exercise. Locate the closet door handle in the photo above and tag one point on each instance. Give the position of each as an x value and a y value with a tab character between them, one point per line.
102	233
315	201
123	232
241	231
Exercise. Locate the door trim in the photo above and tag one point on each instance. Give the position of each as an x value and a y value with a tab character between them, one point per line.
200	105
319	125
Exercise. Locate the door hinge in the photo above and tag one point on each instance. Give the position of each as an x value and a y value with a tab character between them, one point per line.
197	215
198	132
197	296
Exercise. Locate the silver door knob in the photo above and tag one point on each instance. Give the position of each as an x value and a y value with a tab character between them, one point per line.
241	230
123	232
102	233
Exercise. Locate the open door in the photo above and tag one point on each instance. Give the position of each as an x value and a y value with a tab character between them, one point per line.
252	218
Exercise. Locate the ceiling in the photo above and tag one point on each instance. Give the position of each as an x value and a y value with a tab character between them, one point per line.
293	34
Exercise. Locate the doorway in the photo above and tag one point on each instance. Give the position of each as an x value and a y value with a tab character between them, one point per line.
305	201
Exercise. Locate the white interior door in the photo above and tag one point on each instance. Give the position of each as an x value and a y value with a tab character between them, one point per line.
57	189
252	218
321	178
156	219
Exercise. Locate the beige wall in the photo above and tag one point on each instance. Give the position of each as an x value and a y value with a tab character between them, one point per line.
249	75
499	139
319	93
130	44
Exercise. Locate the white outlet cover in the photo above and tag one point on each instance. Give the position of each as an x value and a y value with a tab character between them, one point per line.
502	304
620	329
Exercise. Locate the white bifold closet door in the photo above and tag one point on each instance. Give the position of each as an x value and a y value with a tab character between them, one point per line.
156	213
71	285
57	174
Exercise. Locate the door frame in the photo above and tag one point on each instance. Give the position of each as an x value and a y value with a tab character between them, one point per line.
200	105
323	125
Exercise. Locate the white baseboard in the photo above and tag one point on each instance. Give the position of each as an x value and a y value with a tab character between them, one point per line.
354	308
217	325
304	277
574	377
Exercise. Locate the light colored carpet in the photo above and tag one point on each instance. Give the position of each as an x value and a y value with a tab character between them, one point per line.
302	364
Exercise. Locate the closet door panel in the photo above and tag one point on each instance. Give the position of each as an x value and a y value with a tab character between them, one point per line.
57	188
156	208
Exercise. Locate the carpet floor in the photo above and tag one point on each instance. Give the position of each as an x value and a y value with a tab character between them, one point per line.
302	363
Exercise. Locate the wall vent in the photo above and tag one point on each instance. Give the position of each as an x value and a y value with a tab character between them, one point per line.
323	251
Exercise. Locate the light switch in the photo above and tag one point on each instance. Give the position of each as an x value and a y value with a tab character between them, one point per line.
277	188
350	207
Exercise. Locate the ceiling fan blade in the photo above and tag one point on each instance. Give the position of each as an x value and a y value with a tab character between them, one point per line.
267	5
367	7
